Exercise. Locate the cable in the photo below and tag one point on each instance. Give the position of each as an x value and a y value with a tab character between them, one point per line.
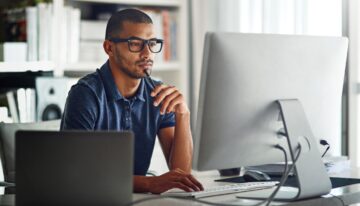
268	200
282	180
181	198
341	200
149	78
324	143
285	176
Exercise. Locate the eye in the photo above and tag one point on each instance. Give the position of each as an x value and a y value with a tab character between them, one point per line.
135	43
152	43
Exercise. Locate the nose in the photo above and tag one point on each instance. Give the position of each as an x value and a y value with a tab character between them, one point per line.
145	53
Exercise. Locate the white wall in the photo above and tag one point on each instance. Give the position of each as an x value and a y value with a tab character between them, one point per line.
310	17
353	30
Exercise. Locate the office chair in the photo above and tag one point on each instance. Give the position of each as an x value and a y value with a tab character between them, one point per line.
7	147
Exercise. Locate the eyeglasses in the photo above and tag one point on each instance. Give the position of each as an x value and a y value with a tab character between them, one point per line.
137	44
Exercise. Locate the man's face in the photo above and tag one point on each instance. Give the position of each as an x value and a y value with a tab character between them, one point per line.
134	64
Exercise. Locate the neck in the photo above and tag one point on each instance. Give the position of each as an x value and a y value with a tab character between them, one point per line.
126	85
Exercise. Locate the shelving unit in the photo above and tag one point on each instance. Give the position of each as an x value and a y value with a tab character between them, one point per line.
174	72
160	3
88	67
26	66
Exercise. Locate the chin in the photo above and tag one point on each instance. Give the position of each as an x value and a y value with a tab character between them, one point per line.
139	76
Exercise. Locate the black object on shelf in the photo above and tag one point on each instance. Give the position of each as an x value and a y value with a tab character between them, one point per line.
13	80
229	172
291	181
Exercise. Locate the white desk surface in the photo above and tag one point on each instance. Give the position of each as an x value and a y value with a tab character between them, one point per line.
349	194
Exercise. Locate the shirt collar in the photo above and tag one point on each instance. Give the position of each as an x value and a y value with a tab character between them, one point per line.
111	88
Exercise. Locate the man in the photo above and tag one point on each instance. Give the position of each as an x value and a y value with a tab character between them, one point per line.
120	96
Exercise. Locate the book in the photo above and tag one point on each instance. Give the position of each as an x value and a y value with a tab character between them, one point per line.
157	18
30	105
166	35
73	34
21	104
13	52
4	115
32	33
44	30
14	25
12	106
173	36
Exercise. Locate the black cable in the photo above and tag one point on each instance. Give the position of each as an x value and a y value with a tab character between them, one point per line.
149	78
324	143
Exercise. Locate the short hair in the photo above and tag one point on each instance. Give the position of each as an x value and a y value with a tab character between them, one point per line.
115	24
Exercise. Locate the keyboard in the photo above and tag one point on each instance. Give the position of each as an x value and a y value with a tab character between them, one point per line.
225	189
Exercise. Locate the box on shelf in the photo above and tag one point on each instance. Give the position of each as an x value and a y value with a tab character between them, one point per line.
4	115
92	30
13	52
92	51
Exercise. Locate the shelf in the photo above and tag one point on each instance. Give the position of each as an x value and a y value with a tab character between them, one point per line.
163	3
26	66
88	67
166	66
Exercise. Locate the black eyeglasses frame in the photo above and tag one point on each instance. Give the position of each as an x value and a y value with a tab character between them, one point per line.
145	42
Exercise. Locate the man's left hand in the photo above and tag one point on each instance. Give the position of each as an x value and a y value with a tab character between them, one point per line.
170	99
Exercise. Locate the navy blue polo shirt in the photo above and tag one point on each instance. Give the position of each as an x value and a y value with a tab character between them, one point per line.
95	103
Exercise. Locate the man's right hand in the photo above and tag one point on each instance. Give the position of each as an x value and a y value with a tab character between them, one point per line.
174	179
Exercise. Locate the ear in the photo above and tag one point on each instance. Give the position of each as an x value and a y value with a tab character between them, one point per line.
108	48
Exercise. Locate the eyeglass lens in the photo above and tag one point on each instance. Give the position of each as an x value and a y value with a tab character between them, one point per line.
136	45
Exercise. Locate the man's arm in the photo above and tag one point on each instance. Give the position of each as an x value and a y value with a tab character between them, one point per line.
80	109
173	179
176	143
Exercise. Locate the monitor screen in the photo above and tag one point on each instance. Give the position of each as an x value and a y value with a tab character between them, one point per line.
243	75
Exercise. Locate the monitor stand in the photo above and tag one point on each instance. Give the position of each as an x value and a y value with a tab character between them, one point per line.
310	172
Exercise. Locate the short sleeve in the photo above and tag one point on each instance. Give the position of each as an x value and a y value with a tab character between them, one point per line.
81	108
167	120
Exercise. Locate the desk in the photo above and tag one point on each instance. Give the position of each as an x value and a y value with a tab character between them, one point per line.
349	194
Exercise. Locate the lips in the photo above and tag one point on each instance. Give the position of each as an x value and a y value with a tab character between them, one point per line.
144	62
145	65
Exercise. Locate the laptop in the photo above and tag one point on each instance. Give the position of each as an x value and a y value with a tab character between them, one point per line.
74	168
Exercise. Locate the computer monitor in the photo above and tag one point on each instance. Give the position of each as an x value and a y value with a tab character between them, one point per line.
239	115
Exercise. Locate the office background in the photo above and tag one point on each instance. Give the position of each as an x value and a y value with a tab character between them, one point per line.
63	41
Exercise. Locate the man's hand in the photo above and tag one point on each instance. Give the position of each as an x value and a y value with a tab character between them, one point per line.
170	98
174	179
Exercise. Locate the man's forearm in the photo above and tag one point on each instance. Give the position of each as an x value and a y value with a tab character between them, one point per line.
182	147
141	183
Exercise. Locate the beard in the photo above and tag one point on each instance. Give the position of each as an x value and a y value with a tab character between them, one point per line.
135	73
132	74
